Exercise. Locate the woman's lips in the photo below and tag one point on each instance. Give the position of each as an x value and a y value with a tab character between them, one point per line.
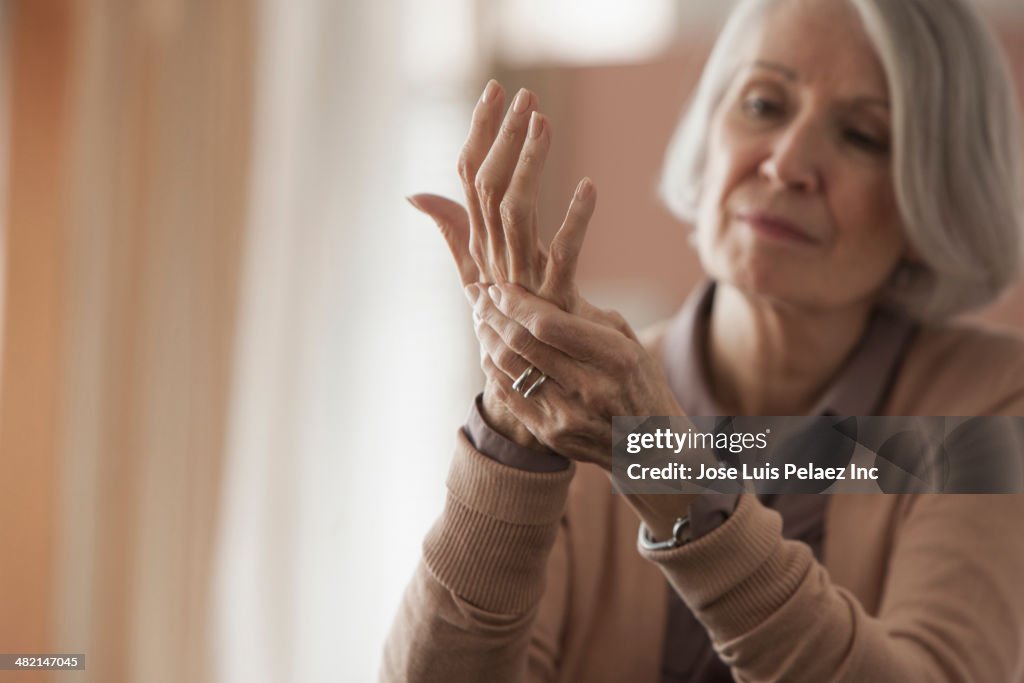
776	227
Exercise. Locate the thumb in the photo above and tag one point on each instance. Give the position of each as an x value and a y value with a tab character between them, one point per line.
453	221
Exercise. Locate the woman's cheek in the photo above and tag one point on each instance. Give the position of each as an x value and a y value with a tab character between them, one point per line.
873	226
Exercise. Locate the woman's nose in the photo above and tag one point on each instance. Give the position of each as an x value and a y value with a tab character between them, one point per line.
793	161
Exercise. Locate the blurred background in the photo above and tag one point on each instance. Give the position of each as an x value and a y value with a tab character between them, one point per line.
232	358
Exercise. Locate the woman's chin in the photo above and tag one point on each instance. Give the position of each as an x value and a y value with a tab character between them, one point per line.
769	274
772	283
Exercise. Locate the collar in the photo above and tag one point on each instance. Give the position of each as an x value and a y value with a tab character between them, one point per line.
859	387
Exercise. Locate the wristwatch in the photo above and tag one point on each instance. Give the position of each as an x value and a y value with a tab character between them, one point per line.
680	536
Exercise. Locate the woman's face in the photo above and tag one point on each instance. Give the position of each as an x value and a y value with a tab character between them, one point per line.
797	201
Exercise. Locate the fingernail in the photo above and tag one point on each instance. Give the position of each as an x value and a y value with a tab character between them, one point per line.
522	101
536	124
584	189
494	293
489	91
412	200
472	292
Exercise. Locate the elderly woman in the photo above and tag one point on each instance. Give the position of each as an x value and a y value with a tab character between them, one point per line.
851	168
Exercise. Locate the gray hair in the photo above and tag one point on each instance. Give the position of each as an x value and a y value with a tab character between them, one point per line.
956	148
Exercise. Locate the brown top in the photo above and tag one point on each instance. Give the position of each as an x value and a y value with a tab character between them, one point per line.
857	389
525	577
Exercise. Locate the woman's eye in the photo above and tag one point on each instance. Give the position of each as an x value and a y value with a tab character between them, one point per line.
761	107
865	141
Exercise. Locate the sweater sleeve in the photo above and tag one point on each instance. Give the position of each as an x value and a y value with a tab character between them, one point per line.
469	610
952	608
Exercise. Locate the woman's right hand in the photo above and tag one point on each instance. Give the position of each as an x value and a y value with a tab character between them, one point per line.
494	238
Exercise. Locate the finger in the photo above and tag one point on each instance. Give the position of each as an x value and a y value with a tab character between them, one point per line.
453	222
560	276
482	131
530	411
537	412
510	364
605	317
573	335
545	413
519	206
513	348
493	178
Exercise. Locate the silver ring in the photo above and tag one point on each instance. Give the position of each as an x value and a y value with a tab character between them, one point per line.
536	385
517	386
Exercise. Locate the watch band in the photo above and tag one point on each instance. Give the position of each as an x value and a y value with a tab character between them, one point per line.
679	536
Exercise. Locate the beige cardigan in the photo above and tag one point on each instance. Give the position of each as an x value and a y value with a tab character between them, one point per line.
537	577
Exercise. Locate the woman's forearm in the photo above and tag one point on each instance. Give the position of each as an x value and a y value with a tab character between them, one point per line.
469	611
952	610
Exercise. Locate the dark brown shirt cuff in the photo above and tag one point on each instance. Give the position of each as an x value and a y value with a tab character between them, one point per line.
497	447
709	511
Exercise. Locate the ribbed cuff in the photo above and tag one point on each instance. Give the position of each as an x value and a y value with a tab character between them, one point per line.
491	543
739	574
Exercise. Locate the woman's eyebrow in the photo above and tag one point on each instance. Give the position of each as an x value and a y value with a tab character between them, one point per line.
789	73
868	100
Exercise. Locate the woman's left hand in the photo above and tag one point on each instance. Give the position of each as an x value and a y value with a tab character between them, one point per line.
595	366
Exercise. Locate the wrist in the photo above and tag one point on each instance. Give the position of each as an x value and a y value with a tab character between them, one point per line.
680	536
501	420
659	512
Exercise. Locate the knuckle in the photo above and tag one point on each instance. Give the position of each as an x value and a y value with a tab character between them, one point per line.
542	325
512	212
559	253
618	321
520	340
487	191
499	388
506	357
477	252
562	424
618	363
564	432
466	168
637	354
480	184
507	132
604	405
627	359
530	156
